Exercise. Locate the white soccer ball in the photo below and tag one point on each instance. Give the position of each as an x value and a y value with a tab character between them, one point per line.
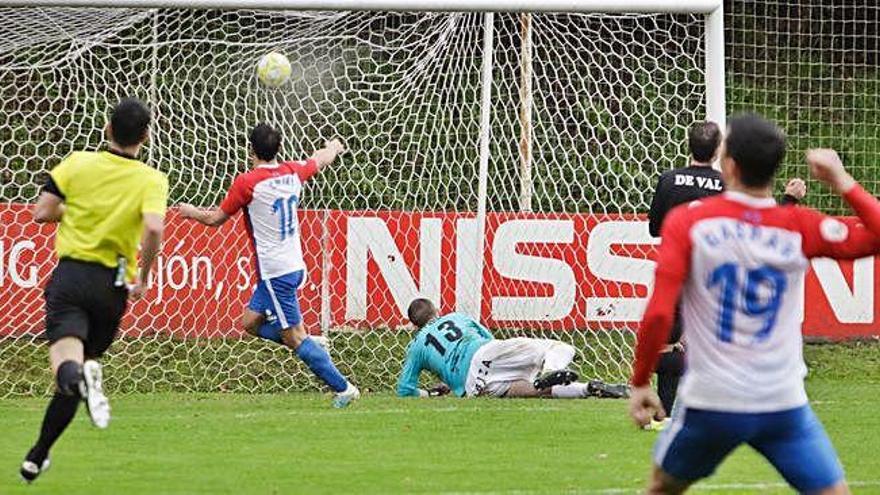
273	69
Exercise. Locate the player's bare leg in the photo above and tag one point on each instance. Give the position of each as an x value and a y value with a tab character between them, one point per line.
251	321
663	484
65	349
294	337
524	389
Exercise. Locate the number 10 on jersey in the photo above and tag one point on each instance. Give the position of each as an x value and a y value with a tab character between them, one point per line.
283	207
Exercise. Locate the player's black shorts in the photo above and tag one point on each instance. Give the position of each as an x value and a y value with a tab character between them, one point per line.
82	301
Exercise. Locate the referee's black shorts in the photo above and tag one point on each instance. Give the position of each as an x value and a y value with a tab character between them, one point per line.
82	301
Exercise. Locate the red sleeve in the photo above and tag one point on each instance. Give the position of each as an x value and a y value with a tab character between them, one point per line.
866	207
239	196
305	170
842	238
673	266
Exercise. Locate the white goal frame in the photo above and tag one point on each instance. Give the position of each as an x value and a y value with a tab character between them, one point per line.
577	165
714	53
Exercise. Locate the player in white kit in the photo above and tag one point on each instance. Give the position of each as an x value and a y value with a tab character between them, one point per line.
738	261
269	196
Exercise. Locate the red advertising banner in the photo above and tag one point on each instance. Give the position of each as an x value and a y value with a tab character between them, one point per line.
547	271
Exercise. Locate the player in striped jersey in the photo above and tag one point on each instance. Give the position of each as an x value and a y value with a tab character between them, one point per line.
269	196
737	260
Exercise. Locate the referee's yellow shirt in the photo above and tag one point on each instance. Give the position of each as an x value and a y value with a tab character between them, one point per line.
106	196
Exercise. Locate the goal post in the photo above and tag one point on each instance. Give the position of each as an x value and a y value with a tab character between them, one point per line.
439	112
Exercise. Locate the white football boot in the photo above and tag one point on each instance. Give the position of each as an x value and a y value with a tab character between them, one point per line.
96	401
346	397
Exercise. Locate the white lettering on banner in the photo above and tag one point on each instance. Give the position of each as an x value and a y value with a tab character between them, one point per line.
178	272
170	270
12	262
612	267
370	236
468	280
515	266
849	306
208	270
244	273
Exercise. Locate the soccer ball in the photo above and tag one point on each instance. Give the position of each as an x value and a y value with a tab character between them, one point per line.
273	69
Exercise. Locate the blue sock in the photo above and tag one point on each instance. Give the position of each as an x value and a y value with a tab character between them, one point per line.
319	362
270	331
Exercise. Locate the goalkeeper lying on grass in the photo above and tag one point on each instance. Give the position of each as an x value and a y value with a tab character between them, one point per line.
469	362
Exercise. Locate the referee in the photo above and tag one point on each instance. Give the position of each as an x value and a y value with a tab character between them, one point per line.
683	185
105	204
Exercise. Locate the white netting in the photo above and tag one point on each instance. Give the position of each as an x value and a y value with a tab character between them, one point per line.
612	96
814	67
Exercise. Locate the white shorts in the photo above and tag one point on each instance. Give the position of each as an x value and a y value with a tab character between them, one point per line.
499	363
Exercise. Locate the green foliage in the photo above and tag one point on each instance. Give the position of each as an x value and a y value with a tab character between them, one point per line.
601	135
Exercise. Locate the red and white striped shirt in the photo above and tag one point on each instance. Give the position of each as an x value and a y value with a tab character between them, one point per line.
738	264
269	196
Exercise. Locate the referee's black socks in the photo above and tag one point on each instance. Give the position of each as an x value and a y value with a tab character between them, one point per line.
61	410
69	378
669	371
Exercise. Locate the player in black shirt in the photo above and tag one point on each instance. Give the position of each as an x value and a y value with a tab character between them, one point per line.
683	185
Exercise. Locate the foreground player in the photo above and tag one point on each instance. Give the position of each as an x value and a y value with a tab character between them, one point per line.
105	203
698	180
742	259
463	354
269	195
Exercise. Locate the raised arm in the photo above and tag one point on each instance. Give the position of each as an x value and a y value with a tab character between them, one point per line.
212	217
327	155
795	190
842	239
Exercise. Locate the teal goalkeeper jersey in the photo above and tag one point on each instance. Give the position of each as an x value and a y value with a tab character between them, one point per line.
444	347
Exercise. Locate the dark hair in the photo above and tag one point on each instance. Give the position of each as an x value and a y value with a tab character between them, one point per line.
703	140
265	142
421	311
757	146
129	122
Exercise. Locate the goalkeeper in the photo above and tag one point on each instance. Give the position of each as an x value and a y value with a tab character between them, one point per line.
469	362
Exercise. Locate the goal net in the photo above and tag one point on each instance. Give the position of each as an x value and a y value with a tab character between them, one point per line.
585	111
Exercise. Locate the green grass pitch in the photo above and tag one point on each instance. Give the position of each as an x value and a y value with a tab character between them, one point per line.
295	443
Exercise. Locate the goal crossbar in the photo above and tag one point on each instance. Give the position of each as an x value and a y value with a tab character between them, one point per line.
609	6
432	199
